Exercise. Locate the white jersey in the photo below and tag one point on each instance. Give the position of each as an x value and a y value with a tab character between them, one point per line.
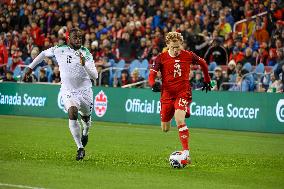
73	75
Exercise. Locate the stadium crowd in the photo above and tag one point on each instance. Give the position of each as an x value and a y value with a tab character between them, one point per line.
126	36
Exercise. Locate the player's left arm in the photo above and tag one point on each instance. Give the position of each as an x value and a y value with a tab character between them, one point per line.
87	61
156	86
200	61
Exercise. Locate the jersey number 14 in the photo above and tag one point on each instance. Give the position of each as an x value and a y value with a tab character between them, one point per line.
177	70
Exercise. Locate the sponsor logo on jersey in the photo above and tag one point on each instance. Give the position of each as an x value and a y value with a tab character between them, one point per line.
100	104
280	110
60	102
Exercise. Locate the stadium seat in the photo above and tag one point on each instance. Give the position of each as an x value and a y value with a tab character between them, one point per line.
36	71
111	72
259	68
248	66
48	70
134	65
17	71
258	72
224	67
274	67
212	66
9	63
118	68
28	61
144	71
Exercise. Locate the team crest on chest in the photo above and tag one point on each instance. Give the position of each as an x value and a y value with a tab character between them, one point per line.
77	53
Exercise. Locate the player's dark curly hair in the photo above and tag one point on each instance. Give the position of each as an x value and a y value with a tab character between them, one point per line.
73	30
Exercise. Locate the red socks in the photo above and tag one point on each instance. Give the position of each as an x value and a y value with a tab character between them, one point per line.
183	136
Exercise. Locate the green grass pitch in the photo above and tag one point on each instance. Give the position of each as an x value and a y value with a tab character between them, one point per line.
40	152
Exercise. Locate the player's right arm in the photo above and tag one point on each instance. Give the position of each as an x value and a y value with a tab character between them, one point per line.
197	60
46	53
155	68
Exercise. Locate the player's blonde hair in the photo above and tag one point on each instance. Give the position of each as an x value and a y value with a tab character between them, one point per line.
173	37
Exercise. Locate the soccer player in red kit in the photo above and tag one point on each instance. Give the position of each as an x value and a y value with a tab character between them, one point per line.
176	96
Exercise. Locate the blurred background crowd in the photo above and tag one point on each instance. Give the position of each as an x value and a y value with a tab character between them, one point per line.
242	40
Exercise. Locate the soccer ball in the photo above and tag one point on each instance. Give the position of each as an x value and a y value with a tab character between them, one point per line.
177	160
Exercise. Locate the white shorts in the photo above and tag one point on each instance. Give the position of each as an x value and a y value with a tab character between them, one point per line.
82	99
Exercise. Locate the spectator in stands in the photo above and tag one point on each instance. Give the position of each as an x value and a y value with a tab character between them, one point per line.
9	77
272	58
247	82
33	54
231	71
237	85
191	77
216	53
265	80
248	27
197	83
254	45
158	20
136	78
105	80
36	34
229	18
279	71
218	77
27	49
3	57
248	58
16	61
237	55
126	47
42	75
262	55
261	34
55	77
142	51
237	13
154	55
278	44
275	85
224	27
277	32
123	80
24	19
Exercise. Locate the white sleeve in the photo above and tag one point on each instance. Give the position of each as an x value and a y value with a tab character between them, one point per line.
91	69
46	53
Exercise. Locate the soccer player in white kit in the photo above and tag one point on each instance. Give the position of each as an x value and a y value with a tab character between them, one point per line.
76	67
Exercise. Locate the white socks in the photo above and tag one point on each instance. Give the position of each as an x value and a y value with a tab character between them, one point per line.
74	127
186	152
86	127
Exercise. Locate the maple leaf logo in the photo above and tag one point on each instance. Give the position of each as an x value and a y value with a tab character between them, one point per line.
100	104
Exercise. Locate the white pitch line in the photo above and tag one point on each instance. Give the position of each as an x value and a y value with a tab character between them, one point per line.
19	186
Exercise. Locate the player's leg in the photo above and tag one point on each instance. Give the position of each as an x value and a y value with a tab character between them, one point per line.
74	126
165	126
181	112
167	113
86	112
182	128
86	123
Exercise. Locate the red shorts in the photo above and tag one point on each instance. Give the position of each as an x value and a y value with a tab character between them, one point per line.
169	105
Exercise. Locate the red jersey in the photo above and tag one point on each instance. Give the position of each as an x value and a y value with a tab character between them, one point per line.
175	70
